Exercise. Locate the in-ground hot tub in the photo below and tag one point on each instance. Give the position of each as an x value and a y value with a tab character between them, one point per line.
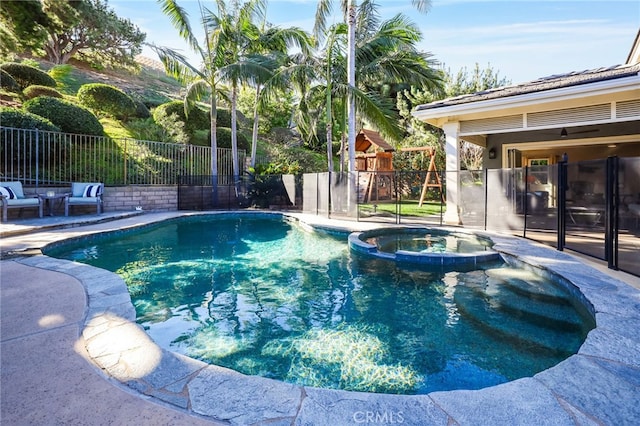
428	246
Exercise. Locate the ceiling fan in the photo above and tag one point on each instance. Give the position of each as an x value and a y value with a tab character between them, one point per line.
564	133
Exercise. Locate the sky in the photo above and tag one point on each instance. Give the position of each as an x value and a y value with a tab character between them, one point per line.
520	40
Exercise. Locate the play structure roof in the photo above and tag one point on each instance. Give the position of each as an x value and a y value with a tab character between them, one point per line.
368	138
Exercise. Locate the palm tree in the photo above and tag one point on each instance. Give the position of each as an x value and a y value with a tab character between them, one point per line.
386	55
273	44
255	52
237	32
349	8
201	80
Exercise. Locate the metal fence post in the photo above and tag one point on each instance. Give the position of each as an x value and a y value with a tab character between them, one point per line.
37	157
611	213
124	159
561	214
396	189
486	197
525	207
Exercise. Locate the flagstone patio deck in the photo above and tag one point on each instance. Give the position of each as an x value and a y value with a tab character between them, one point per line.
72	353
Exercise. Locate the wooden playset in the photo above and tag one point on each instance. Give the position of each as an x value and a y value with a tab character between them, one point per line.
374	162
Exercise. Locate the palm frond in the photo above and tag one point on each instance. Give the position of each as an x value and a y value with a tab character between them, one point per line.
379	113
423	6
324	9
180	20
176	64
196	91
246	70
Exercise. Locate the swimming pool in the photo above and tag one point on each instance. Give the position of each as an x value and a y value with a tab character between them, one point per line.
261	287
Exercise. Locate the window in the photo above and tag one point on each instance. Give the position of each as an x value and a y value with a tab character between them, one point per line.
538	170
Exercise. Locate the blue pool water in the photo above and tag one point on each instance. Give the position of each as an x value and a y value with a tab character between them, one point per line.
262	296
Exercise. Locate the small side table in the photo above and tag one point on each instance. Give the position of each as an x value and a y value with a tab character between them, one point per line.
49	200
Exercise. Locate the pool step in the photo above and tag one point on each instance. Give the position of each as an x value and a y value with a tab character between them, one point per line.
523	283
480	309
500	295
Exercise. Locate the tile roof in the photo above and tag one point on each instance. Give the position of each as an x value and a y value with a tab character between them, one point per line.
542	84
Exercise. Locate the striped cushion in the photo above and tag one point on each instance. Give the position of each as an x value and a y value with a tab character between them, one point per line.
8	192
91	191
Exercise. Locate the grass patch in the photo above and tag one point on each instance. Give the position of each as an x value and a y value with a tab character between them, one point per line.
69	79
115	129
407	208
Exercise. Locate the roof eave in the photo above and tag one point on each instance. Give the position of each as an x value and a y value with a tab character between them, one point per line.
438	115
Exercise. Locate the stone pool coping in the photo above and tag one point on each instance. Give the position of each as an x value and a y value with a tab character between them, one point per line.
600	384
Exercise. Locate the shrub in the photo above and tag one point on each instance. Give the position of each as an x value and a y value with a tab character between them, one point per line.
35	90
172	126
198	119
11	141
145	129
223	117
11	117
141	110
152	99
26	75
223	135
69	117
106	98
8	83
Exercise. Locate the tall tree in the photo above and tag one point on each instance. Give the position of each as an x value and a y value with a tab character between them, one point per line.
91	30
254	51
202	79
272	44
22	25
238	34
385	55
350	8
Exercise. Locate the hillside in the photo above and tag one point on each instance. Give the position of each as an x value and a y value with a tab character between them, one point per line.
150	85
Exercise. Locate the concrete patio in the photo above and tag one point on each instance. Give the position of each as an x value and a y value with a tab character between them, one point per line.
71	353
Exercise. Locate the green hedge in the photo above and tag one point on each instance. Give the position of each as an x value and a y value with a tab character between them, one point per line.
26	75
141	110
8	83
223	117
11	141
107	99
198	119
69	117
223	139
36	90
11	117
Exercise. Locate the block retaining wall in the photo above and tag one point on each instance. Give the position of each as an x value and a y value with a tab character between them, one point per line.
150	198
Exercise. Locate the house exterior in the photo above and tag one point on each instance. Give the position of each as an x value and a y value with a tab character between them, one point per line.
582	115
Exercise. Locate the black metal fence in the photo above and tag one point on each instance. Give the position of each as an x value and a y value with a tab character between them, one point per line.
591	207
41	158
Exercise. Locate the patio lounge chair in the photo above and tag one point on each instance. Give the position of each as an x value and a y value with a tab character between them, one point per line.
84	194
12	197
